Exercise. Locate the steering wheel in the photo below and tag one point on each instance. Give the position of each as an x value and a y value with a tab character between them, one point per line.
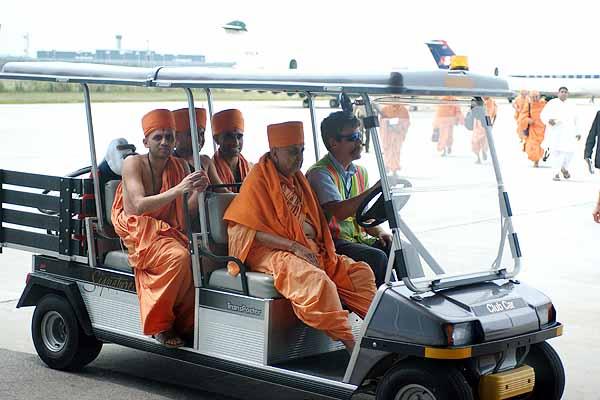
375	215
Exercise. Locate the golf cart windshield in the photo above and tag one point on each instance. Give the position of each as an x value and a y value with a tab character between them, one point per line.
442	182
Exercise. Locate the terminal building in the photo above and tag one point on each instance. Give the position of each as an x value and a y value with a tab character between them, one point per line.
141	58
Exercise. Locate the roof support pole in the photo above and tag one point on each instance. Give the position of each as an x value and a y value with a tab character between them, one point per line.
313	121
94	161
197	164
209	101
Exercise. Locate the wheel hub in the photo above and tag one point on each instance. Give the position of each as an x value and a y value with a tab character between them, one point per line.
54	331
414	392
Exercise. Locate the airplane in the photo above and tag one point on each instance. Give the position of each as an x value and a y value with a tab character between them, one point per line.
579	84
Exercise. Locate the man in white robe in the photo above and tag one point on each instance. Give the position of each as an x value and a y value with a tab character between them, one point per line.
560	118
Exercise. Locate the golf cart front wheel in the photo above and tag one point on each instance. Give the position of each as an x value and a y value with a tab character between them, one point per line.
423	381
549	373
58	339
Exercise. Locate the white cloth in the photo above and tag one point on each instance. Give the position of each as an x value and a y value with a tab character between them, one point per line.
560	160
117	151
561	136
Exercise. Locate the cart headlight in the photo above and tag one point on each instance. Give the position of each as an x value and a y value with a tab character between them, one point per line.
459	334
546	313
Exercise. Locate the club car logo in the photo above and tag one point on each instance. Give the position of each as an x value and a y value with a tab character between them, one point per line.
500	306
244	309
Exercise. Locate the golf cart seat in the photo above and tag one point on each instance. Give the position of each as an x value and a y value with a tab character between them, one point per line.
259	284
116	259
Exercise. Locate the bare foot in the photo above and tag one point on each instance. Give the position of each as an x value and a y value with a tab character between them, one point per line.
169	339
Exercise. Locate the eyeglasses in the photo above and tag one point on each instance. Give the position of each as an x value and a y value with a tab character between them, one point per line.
355	136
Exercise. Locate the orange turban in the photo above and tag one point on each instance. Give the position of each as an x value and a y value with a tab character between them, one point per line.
157	119
285	134
182	119
227	121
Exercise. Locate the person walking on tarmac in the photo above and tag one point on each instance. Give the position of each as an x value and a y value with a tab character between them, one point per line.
447	115
560	118
518	104
532	127
479	143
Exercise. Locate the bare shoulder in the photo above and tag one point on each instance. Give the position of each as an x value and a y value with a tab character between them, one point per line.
132	166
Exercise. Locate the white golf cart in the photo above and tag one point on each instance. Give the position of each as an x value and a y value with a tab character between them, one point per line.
451	321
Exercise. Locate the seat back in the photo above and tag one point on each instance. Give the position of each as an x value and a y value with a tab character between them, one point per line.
110	188
216	204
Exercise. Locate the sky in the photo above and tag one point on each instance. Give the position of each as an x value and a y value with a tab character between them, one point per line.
516	36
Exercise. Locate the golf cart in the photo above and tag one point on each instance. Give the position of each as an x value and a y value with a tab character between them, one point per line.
451	322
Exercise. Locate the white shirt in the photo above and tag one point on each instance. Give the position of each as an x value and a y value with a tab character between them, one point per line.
561	136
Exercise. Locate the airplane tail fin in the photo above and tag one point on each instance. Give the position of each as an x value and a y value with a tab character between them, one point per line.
441	52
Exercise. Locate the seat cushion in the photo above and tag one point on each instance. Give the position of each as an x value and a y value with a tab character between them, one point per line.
259	285
117	259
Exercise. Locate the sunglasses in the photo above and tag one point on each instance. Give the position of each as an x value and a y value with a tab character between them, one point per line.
356	136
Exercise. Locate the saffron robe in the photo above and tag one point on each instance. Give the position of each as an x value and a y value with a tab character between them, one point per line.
479	142
271	203
395	121
158	252
225	172
446	117
537	129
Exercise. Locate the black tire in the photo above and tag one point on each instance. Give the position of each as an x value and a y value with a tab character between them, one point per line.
334	103
432	381
305	103
58	339
549	373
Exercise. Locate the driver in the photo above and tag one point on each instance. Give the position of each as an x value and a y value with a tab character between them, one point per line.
277	227
341	186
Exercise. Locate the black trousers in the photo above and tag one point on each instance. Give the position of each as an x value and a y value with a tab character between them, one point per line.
376	256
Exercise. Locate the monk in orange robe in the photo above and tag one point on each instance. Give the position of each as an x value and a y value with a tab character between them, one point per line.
183	143
394	121
518	104
491	109
479	142
147	214
228	132
447	115
529	119
277	227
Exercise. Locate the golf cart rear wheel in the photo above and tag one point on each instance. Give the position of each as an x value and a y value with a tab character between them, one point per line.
423	380
549	373
58	339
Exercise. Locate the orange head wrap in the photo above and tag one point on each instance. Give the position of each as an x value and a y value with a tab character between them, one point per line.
157	119
285	134
227	121
182	119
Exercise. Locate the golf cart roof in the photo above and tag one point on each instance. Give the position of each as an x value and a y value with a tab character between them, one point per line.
411	83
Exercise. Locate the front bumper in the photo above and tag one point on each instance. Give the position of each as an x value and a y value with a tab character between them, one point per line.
462	352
